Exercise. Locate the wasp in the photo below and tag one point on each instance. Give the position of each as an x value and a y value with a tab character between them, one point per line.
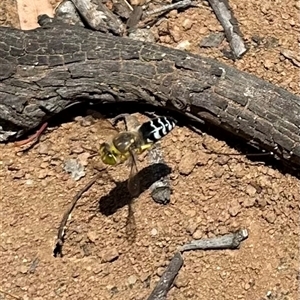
126	145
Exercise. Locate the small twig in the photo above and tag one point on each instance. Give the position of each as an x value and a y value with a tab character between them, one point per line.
33	265
167	278
9	294
61	230
166	8
228	241
129	6
233	34
151	17
294	57
35	137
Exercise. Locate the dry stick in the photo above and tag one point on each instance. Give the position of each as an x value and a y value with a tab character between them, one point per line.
67	13
233	34
167	278
9	294
99	17
62	226
152	15
169	7
228	241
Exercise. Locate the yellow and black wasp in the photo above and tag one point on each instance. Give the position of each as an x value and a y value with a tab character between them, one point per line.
135	140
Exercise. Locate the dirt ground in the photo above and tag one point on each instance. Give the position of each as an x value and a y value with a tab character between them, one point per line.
211	194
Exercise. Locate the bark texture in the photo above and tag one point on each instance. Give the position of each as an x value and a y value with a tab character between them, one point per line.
44	70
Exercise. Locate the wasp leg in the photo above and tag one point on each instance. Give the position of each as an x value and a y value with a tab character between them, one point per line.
119	117
145	147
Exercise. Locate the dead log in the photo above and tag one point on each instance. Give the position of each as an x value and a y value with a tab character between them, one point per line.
45	70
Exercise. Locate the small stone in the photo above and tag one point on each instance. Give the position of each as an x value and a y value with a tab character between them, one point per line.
181	281
184	45
187	163
44	165
144	276
160	271
154	232
142	34
23	269
98	269
268	64
248	202
18	175
187	24
175	33
42	174
247	286
191	227
110	255
77	150
88	268
234	209
212	40
132	279
269	216
43	148
83	158
222	160
197	235
92	236
250	190
261	202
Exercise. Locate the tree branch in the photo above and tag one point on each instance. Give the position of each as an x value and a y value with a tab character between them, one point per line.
43	71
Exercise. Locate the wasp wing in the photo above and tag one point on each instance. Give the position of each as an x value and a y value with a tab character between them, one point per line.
133	183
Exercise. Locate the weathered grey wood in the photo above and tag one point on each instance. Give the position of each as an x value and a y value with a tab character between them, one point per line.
232	31
46	69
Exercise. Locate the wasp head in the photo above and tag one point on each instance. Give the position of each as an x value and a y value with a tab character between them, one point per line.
107	154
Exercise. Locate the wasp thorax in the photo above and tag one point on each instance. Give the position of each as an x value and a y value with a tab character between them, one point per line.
125	141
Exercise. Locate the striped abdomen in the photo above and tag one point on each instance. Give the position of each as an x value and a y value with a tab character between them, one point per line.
157	128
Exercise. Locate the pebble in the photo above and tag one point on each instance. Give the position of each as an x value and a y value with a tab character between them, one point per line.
175	33
23	269
187	163
83	158
42	174
269	216
184	45
110	255
43	148
77	150
249	202
197	235
18	175
160	271
142	34
187	24
191	227
181	281
132	279
268	64
261	202
154	232
250	190
92	236
234	209
212	40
